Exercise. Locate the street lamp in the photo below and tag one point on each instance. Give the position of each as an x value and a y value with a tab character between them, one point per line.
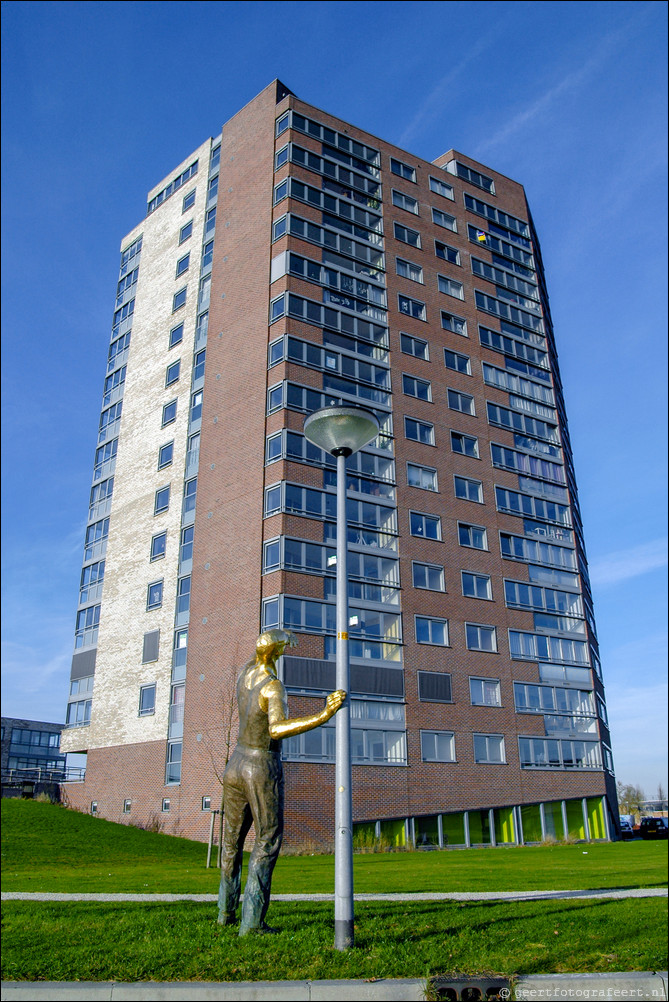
341	431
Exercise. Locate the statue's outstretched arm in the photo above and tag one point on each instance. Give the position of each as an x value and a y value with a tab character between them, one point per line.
277	712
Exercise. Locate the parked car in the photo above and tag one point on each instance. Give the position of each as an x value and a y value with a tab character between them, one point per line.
654	828
626	828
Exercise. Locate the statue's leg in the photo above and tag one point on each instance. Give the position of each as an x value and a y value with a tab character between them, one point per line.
238	820
266	800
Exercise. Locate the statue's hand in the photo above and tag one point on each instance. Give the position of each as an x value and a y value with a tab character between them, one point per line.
334	701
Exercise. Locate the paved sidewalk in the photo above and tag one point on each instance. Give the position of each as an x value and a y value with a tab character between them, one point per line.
612	892
549	987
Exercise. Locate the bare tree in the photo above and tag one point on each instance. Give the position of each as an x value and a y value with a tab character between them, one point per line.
629	797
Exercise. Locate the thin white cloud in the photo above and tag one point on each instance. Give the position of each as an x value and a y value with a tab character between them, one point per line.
440	96
631	563
570	82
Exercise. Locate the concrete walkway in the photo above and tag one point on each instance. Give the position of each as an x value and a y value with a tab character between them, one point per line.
612	892
549	987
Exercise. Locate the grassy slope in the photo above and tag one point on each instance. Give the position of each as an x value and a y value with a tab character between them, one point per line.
48	848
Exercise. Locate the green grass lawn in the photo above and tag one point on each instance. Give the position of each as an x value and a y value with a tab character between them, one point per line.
49	848
181	942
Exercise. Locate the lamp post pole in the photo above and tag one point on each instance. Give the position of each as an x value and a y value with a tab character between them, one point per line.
341	431
343	792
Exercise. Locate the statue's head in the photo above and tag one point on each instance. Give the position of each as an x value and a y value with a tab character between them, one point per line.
271	644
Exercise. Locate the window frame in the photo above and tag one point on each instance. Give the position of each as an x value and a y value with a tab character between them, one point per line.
466	497
416	381
489	761
409	172
477	577
424	734
418	566
157	601
467	371
152	709
423	469
414	340
491	630
432	620
153	556
171	379
179	299
483	702
167	411
427	518
427	426
161	490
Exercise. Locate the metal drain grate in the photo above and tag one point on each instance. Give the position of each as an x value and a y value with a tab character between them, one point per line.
469	989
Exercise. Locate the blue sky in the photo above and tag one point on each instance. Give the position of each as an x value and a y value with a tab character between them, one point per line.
101	100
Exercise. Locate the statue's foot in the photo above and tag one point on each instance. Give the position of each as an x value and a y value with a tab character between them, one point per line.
227	918
262	930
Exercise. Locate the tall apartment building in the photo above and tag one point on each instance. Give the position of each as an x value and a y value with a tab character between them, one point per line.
292	262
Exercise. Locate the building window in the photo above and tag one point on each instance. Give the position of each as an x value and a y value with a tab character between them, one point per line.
173	764
186	232
444	219
466	445
154	595
169	413
183	594
165	455
189	201
476	585
158	545
468	490
450	287
179	300
79	713
407	236
87	624
437	746
186	546
419	431
172	373
434	687
196	406
485	692
206	803
446	252
473	176
94	807
176	335
431	631
472	535
406	202
414	346
459	363
403	170
407	269
428	576
147	700
411	307
425	526
421	476
462	402
126	806
162	500
481	638
413	387
190	495
457	325
489	748
182	265
441	188
165	805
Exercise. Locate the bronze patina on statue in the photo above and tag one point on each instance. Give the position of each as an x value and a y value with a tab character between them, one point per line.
253	781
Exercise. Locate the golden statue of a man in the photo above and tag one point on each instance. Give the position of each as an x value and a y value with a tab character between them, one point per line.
253	781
